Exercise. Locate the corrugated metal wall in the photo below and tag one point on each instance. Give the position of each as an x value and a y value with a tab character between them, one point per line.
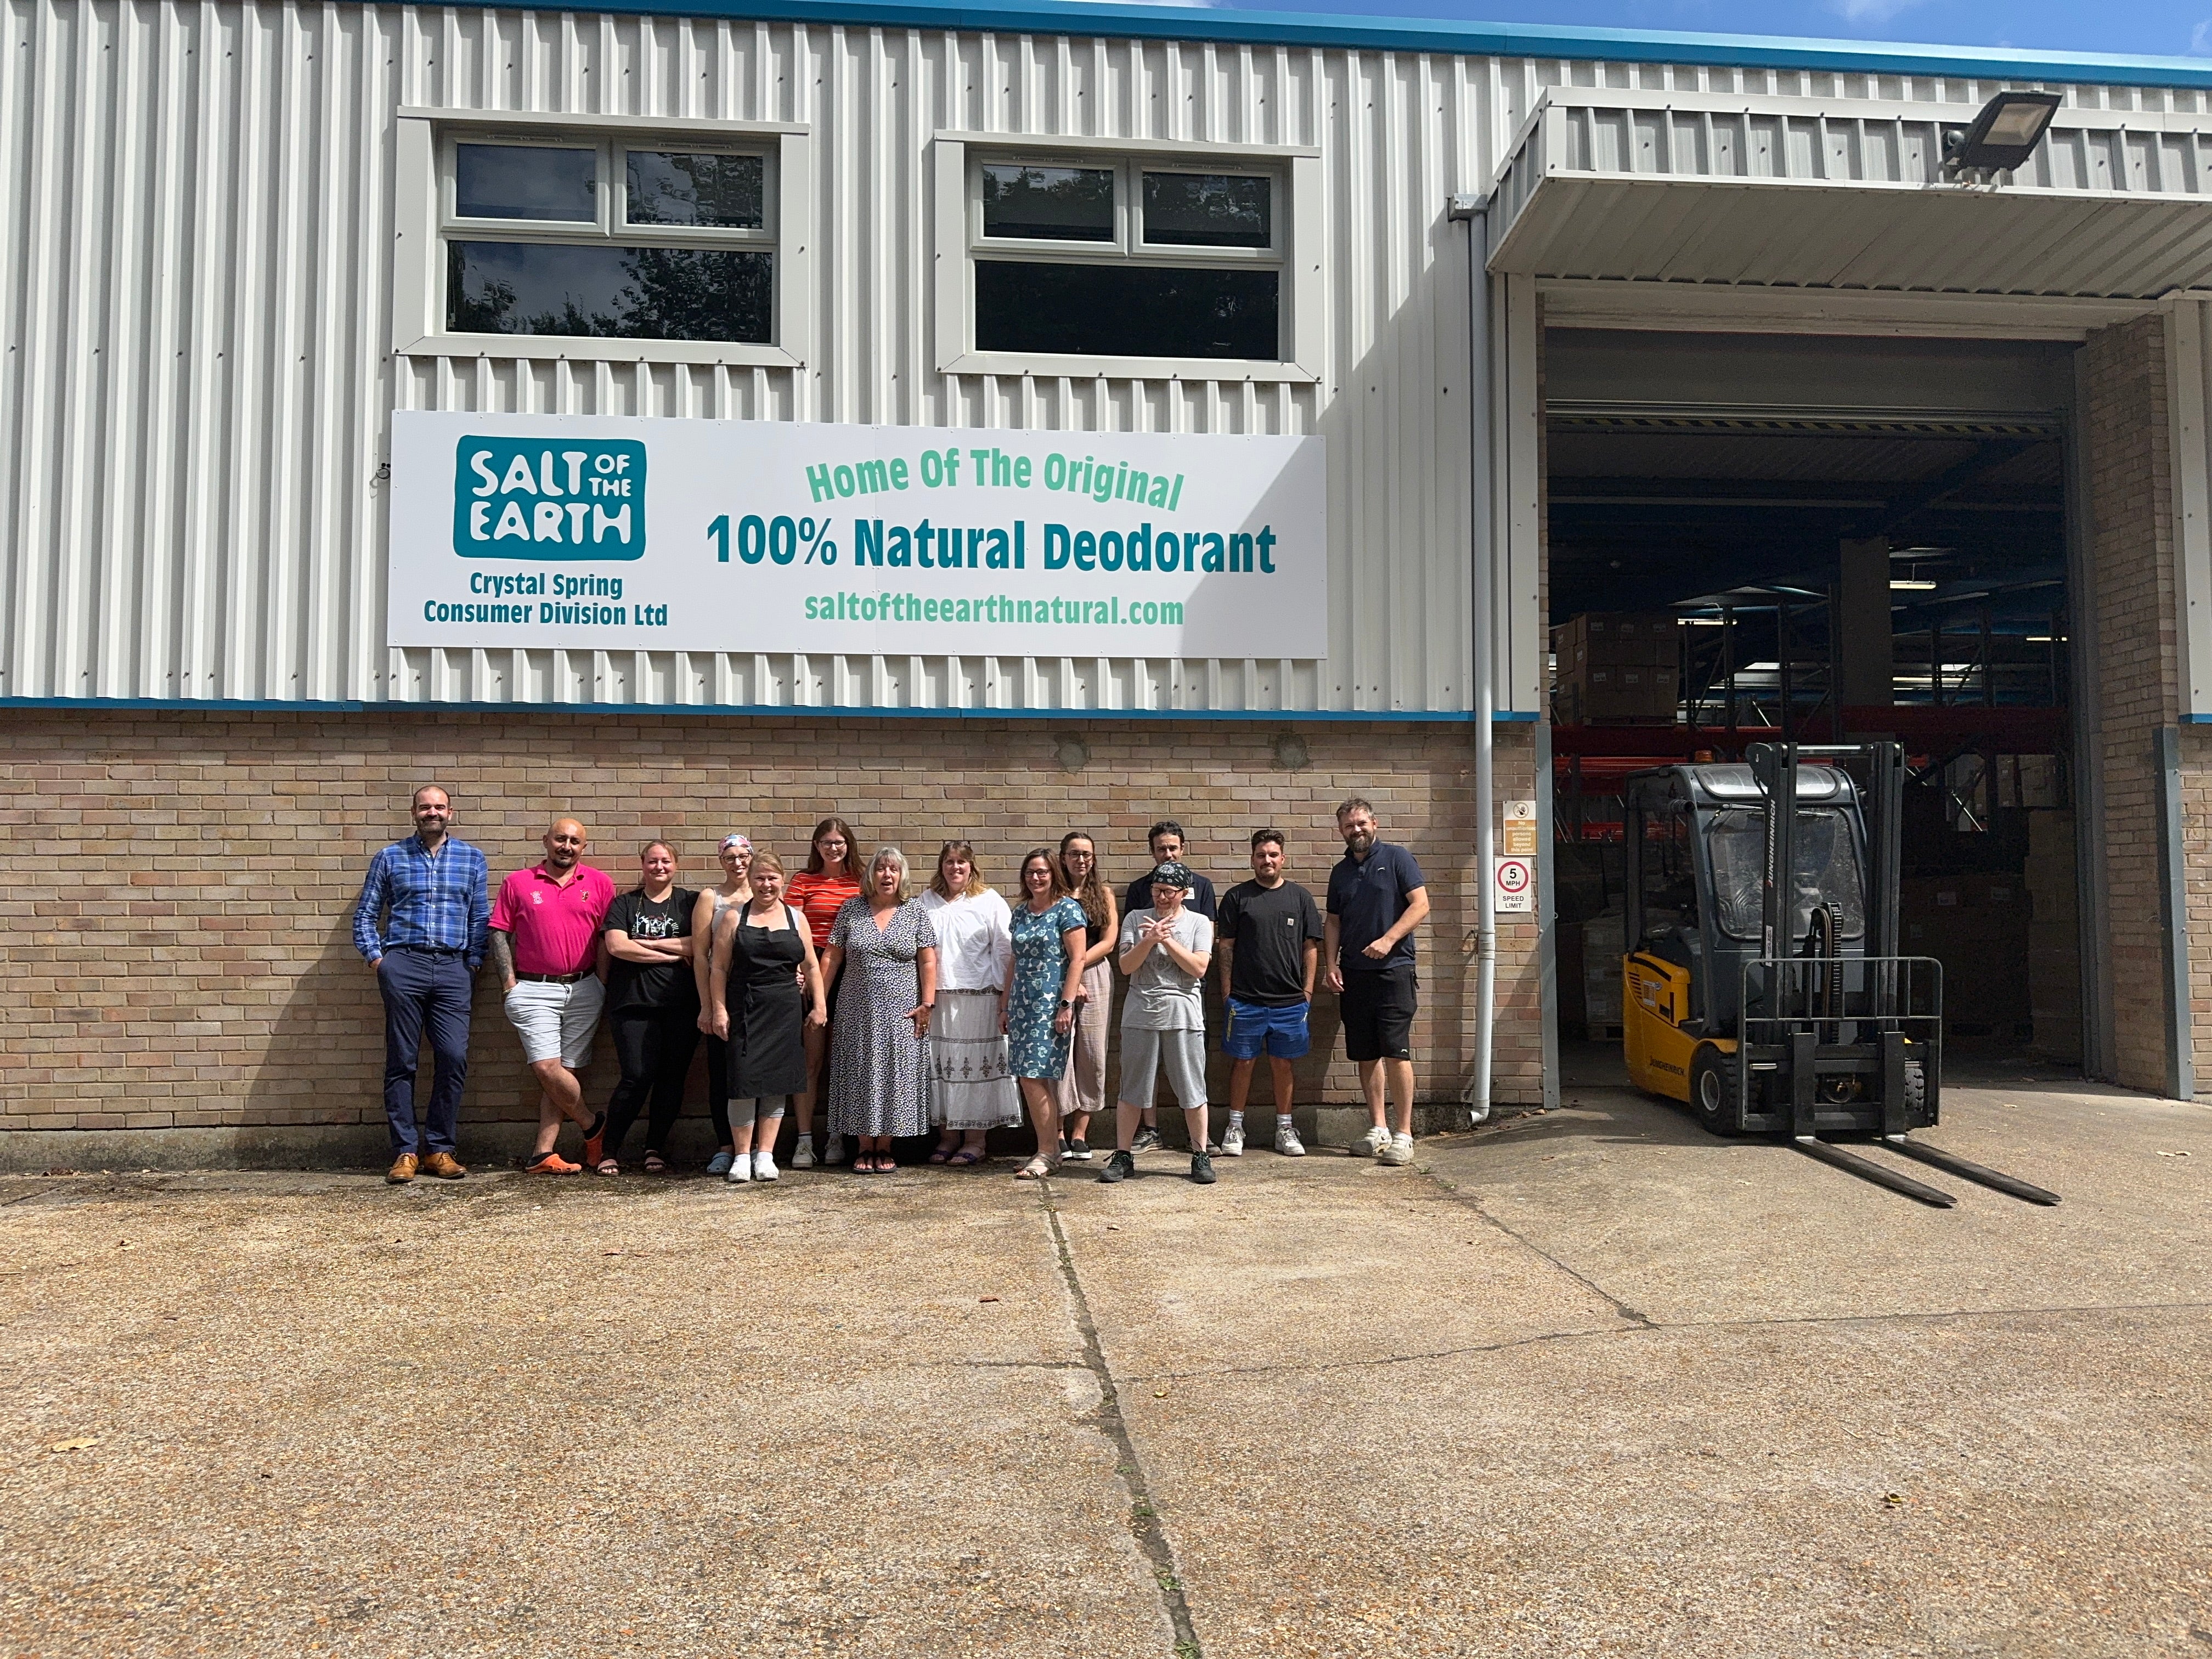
195	261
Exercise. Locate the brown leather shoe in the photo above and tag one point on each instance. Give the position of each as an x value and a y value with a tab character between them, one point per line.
445	1166
402	1170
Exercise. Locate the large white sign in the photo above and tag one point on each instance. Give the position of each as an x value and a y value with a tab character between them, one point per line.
629	534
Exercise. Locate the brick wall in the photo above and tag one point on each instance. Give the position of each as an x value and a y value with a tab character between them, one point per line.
177	948
2132	559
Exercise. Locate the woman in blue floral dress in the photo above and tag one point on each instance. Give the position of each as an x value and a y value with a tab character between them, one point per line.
1049	935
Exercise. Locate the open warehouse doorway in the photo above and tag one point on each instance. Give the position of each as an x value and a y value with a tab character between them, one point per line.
1758	537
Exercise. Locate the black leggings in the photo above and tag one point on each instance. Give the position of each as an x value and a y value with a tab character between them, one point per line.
654	1048
718	1088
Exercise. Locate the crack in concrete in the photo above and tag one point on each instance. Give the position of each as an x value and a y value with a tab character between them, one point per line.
1634	1315
1380	1360
1642	1320
1145	1523
1653	1327
1933	1315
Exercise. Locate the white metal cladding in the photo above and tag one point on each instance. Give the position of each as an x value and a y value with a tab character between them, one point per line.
195	280
1813	193
2189	418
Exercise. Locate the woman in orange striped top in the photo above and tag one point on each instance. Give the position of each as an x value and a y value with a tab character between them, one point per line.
818	892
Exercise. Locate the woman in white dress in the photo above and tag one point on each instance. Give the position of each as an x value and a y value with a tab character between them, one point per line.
971	1091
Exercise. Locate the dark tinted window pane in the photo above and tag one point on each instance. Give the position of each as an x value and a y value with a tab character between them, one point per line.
1208	209
1064	204
670	187
1131	310
518	181
608	293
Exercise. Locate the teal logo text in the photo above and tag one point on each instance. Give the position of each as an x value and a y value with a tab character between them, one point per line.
536	498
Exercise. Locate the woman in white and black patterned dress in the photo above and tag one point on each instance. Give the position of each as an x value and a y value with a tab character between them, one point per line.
878	1076
971	1091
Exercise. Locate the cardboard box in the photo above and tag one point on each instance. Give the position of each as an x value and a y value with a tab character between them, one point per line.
1649	638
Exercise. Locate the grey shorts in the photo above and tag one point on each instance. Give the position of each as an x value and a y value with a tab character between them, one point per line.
1142	1053
555	1022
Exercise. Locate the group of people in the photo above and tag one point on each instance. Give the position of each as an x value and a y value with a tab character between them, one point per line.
840	993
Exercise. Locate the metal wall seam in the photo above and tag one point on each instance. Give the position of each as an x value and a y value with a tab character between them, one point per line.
197	284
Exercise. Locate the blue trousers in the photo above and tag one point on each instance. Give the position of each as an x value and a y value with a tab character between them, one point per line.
423	991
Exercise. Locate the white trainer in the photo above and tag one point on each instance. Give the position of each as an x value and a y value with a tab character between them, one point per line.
1398	1153
1371	1144
764	1166
802	1155
741	1170
834	1152
1287	1143
1232	1141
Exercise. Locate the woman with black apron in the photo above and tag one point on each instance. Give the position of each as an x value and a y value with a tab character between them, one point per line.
756	1002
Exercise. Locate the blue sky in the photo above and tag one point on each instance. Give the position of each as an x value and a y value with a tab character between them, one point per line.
2139	27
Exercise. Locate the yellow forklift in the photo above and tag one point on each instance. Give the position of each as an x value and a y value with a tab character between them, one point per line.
1762	986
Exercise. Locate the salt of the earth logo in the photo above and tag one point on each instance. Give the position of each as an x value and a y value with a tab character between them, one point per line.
536	498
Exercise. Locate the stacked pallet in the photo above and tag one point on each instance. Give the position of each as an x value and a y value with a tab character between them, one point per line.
1976	926
1616	668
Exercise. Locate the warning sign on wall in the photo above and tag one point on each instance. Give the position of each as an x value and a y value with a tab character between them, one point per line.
1519	841
1515	884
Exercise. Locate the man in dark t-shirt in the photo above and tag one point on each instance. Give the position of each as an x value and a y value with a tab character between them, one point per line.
1376	897
1268	940
1166	841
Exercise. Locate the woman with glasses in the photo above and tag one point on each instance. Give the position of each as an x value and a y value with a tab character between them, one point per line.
878	1082
830	880
1081	1086
1048	929
736	889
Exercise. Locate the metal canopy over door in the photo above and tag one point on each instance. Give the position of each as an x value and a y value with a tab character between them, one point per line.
1803	193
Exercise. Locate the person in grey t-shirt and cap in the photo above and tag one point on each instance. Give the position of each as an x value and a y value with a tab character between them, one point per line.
1165	950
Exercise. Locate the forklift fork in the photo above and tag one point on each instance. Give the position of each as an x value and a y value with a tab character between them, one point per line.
1967	1169
1852	1164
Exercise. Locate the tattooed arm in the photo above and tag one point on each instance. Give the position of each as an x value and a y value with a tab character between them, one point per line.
500	949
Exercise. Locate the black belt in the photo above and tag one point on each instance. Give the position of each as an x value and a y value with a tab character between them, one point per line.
554	979
431	949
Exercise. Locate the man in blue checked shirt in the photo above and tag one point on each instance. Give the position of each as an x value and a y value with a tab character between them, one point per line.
426	951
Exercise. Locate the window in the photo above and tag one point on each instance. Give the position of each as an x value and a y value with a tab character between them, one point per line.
1825	853
608	239
1129	257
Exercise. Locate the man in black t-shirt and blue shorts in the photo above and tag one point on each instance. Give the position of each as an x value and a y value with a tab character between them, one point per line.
1376	897
1269	938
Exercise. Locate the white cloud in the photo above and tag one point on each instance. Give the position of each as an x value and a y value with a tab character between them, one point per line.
1864	12
2200	38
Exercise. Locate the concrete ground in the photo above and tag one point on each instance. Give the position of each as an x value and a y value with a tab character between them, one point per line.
1589	1383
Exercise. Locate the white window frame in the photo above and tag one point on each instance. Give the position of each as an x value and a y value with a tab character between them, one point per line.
1295	218
424	219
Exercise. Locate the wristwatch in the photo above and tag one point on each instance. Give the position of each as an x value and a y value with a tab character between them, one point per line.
1065	1003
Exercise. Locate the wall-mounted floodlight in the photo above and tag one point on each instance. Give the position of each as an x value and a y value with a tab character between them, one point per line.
2003	135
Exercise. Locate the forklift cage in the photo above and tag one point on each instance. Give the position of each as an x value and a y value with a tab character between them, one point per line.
1811	1031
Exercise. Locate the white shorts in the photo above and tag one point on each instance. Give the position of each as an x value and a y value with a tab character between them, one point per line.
555	1022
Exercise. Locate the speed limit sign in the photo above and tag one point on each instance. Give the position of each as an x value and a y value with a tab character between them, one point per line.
1515	884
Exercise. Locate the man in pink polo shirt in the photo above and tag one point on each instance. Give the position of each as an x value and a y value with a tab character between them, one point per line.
544	942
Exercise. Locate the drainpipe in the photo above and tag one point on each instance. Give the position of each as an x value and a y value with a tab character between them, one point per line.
1476	211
